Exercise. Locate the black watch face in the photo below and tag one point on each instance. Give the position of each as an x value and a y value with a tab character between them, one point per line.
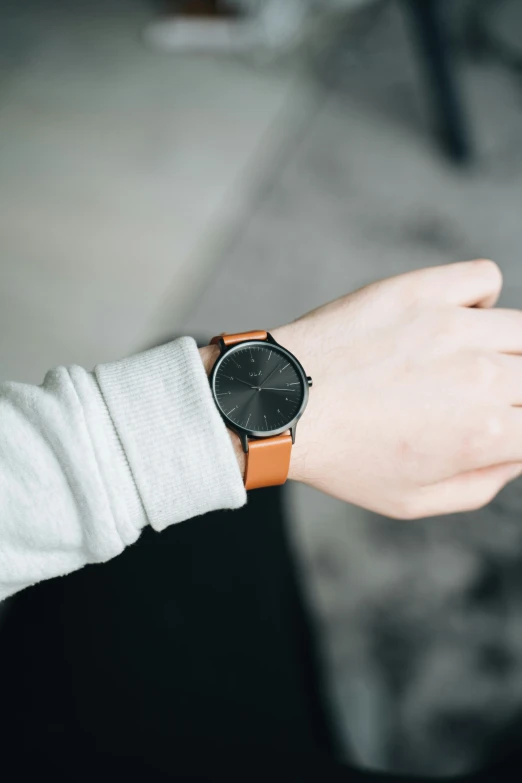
259	387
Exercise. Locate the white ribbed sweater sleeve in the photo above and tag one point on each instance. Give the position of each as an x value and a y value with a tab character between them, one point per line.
88	459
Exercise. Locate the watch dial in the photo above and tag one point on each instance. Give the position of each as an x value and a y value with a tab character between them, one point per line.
258	387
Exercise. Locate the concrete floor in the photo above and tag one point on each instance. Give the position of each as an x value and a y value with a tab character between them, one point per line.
144	195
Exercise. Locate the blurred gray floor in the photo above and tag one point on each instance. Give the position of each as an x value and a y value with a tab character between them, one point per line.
423	622
133	240
117	165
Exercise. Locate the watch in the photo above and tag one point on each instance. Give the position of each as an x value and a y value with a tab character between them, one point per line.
261	391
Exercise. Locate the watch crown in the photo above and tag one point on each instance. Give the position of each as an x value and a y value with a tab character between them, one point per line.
310	382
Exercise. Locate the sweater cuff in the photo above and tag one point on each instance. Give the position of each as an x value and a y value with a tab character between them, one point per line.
176	443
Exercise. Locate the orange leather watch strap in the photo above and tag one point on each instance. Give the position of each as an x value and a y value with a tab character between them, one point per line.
268	461
241	337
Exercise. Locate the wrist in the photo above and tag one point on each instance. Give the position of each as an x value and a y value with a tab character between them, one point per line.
292	337
209	355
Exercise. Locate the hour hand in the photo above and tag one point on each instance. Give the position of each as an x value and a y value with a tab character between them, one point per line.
245	382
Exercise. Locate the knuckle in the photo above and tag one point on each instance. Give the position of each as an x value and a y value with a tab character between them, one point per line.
494	428
489	269
478	442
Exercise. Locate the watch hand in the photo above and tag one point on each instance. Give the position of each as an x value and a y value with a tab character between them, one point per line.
246	384
271	373
271	388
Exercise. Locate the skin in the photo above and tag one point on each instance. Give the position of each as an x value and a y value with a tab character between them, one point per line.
416	405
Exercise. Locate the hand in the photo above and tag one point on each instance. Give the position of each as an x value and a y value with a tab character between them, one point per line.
416	404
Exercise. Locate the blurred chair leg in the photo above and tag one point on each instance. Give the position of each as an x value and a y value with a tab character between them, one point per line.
434	46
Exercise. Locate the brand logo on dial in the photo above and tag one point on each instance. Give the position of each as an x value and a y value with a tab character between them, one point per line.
255	374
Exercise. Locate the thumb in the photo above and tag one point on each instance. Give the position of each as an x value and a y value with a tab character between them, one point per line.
468	491
466	284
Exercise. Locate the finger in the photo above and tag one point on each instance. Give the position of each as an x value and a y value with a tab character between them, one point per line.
498	441
498	329
466	284
466	492
511	378
504	373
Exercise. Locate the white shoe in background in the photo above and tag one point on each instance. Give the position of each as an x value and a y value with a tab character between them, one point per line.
209	35
266	28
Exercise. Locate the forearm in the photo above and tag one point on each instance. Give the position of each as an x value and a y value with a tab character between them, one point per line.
87	460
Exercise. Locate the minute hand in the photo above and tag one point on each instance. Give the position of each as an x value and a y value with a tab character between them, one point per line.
270	374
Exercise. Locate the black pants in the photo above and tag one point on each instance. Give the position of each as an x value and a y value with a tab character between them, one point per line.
189	656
